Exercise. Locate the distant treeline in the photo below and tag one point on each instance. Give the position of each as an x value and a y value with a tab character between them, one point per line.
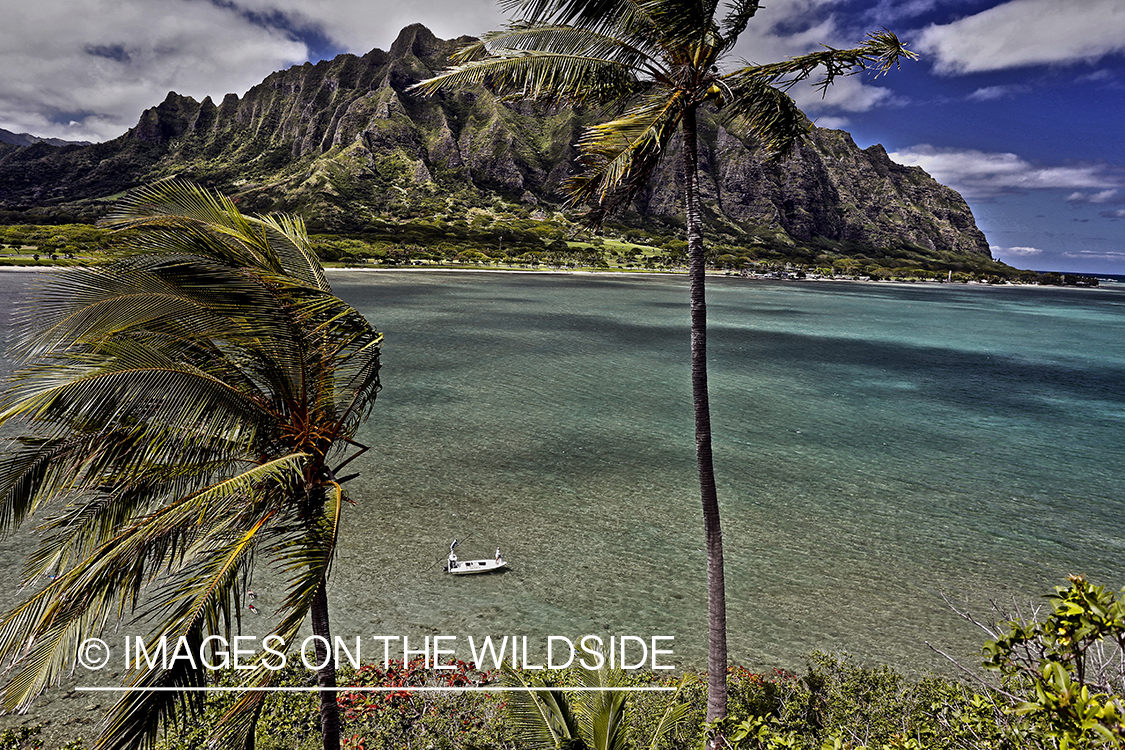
529	241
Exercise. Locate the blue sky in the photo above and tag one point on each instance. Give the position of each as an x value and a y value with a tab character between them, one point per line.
1018	104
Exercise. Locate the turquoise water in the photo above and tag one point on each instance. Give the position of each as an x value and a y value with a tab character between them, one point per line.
877	447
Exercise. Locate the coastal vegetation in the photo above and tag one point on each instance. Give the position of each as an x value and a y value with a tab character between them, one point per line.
1052	680
181	415
508	237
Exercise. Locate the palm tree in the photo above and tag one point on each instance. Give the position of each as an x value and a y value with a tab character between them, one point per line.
659	61
183	412
549	717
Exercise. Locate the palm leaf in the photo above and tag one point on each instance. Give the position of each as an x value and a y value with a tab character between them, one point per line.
880	52
673	718
547	77
543	719
767	113
179	405
628	49
620	156
137	718
597	15
737	18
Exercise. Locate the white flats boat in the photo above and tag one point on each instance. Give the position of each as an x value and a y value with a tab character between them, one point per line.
464	567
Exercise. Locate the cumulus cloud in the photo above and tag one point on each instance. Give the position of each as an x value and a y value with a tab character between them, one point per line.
1018	33
982	174
85	69
851	94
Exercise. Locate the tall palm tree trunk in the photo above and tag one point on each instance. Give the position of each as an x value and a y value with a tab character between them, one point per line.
326	675
716	587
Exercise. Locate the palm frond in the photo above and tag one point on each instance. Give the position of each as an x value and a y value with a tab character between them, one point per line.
289	240
673	718
175	414
687	30
602	712
597	15
235	729
135	721
210	220
737	18
622	46
619	156
880	52
305	556
767	113
165	409
546	77
543	719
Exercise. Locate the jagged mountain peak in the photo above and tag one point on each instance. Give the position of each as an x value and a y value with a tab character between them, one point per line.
416	40
343	142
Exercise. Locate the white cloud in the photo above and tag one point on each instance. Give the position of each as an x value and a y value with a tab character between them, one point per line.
981	173
833	123
1105	196
850	94
1097	76
1097	255
359	26
87	69
1018	252
991	93
888	11
1027	32
770	35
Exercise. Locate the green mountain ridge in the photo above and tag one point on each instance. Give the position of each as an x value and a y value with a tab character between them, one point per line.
27	139
342	143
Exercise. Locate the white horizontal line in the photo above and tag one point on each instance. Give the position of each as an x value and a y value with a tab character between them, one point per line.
491	689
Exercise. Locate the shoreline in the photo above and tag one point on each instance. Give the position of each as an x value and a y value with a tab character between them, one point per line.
638	272
710	274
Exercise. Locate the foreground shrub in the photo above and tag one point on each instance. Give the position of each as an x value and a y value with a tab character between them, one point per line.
1061	676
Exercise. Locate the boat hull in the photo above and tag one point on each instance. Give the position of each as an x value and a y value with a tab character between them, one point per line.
468	567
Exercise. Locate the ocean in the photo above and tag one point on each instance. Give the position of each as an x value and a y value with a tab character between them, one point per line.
882	450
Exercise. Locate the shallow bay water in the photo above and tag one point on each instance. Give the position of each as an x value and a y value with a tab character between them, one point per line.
877	447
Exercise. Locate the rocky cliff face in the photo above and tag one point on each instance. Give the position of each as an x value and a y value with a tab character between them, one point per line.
342	141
